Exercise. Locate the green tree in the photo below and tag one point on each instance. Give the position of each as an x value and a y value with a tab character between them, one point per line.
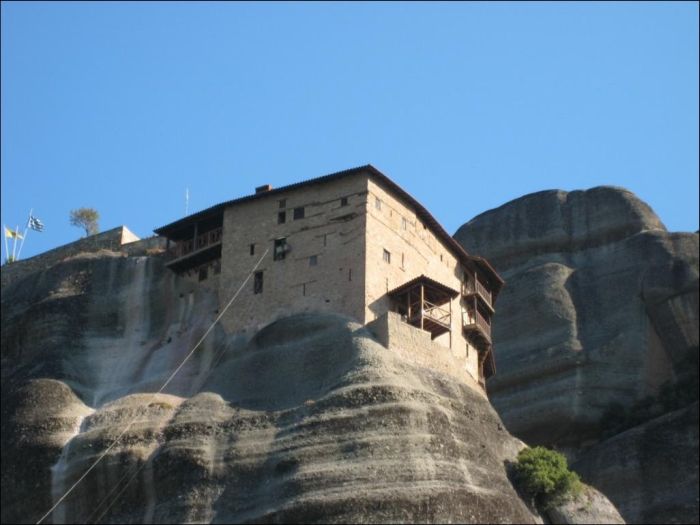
545	476
86	218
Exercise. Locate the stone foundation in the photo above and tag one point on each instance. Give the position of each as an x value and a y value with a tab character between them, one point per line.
416	346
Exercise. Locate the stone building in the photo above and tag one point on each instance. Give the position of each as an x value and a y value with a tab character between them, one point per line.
352	242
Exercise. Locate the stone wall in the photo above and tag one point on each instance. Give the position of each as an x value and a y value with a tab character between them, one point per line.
415	250
113	239
149	246
415	345
323	271
335	261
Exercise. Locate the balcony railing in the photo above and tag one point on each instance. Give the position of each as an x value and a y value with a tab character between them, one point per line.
473	318
475	287
182	248
431	311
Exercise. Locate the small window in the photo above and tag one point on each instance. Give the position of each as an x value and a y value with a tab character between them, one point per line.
303	289
343	201
325	239
283	203
378	203
440	257
387	257
349	274
258	283
313	260
280	249
252	249
299	213
404	223
403	260
203	273
281	217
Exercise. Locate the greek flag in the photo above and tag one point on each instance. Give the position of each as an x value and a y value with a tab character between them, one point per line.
13	234
35	224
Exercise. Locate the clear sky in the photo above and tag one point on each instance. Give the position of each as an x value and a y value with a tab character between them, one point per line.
121	106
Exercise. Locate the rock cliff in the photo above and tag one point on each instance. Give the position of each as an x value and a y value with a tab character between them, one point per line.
596	332
311	420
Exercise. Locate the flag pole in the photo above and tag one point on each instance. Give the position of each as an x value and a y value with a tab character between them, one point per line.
26	229
7	251
14	244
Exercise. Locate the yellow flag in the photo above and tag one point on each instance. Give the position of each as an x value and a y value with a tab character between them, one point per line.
12	234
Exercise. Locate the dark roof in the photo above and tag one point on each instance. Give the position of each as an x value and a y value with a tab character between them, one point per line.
378	176
423	279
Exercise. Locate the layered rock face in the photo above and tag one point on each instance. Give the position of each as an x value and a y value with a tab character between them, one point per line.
311	420
600	311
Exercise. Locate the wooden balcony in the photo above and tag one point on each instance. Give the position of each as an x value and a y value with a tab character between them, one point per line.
425	304
189	253
436	319
474	323
475	288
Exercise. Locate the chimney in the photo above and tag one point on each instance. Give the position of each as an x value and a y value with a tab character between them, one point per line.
263	188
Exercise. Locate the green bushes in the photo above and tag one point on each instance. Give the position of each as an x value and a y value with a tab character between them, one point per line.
544	475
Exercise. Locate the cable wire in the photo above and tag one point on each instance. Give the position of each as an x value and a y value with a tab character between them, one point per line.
153	396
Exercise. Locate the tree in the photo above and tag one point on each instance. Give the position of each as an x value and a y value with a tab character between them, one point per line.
86	218
544	475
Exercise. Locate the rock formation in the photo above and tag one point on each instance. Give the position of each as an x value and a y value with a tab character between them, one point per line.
311	420
598	322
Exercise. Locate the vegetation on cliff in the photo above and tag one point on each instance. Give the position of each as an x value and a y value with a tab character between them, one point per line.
544	475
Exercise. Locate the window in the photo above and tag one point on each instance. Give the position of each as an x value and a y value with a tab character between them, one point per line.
378	203
280	249
283	203
349	274
404	223
387	257
252	249
217	267
303	289
313	260
403	260
343	201
281	217
258	283
325	239
203	273
299	213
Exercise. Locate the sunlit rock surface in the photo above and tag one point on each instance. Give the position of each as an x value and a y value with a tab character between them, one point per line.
599	311
310	421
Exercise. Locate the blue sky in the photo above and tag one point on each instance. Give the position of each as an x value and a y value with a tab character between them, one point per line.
121	106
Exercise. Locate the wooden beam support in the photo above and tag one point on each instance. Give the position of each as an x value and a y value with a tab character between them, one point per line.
450	324
422	298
